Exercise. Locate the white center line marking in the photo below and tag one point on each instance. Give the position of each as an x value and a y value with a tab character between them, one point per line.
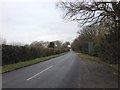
39	73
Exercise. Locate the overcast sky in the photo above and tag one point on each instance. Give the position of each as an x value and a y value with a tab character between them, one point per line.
26	21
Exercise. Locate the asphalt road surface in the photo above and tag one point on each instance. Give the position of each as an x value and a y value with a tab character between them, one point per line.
67	71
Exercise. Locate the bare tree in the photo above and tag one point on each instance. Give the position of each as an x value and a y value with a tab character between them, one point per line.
91	12
2	41
92	33
65	44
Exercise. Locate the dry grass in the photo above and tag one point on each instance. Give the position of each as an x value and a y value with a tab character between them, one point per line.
96	59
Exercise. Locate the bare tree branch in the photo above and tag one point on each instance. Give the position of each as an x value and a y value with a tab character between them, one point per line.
94	12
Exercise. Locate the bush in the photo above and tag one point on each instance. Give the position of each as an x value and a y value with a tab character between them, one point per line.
13	54
109	51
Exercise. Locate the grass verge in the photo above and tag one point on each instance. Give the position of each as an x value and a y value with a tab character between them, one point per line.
11	67
96	59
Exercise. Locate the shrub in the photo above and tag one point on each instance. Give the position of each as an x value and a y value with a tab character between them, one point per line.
13	54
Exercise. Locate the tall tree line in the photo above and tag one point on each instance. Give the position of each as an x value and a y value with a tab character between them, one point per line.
100	22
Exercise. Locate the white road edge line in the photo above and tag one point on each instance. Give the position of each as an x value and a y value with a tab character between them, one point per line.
39	73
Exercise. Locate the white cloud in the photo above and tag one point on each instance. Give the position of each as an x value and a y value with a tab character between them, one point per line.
29	1
29	21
